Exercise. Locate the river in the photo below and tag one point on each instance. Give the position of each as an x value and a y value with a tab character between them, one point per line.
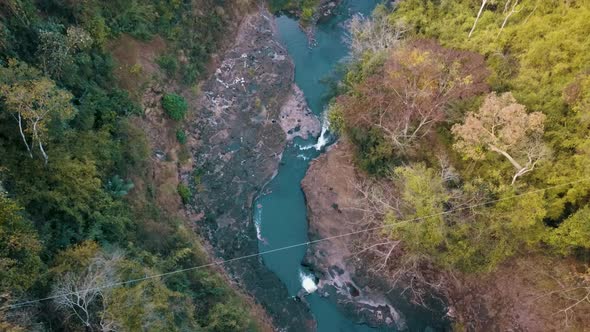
280	214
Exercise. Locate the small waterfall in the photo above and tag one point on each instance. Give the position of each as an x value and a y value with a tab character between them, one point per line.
324	138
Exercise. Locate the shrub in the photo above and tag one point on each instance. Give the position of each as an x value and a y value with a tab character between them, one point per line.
136	69
307	14
183	155
181	136
184	192
175	106
118	187
169	64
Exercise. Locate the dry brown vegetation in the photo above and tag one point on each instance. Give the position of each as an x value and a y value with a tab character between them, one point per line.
408	96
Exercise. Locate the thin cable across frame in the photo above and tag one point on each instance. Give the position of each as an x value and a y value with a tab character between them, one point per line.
221	262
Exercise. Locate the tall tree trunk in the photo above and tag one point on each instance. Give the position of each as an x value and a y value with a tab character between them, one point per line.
508	156
513	11
22	134
520	170
36	136
43	151
483	4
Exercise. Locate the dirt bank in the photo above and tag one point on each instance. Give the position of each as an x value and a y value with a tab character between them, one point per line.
328	187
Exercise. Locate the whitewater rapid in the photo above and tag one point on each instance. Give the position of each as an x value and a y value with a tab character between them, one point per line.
307	282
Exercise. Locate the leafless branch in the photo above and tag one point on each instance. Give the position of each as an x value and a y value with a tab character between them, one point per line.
77	293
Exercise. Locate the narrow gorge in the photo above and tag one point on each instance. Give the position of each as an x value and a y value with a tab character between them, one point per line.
294	165
260	128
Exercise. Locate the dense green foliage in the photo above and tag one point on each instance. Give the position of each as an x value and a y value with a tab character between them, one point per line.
305	8
181	136
184	192
19	248
532	133
175	106
77	207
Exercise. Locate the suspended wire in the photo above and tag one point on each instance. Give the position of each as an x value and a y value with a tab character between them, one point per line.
261	253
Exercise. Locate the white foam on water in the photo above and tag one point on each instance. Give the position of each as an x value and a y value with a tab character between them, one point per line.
307	282
302	156
258	221
305	147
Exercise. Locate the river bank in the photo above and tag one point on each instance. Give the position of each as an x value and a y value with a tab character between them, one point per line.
331	193
172	163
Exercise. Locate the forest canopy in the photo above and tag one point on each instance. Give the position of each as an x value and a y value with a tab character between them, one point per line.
71	217
475	101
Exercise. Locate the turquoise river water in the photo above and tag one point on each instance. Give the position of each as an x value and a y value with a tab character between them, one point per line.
280	214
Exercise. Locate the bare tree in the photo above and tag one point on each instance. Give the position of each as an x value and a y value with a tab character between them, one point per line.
503	126
16	319
575	295
77	294
16	9
532	12
405	199
56	49
406	272
374	35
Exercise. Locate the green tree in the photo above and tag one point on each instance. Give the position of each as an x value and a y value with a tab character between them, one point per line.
127	306
422	199
227	317
20	263
175	106
573	233
184	192
181	136
33	103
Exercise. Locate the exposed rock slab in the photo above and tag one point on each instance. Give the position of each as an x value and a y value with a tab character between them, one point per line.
292	121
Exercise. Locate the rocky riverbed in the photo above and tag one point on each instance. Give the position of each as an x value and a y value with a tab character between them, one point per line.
248	110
